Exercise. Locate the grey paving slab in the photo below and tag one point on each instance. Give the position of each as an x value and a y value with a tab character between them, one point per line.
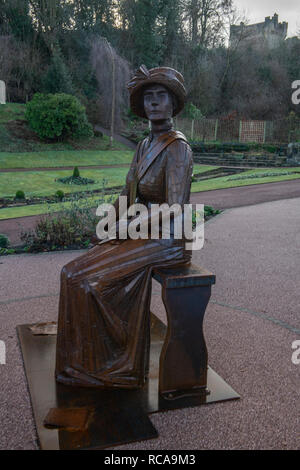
253	356
31	275
255	253
255	359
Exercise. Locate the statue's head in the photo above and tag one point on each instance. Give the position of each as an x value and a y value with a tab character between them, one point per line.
159	102
157	93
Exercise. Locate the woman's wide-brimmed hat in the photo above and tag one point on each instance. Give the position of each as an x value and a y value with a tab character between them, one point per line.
165	76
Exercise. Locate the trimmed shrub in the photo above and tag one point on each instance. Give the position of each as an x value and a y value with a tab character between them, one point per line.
4	241
60	194
76	172
75	178
20	195
57	117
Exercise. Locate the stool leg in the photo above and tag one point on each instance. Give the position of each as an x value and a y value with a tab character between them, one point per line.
183	359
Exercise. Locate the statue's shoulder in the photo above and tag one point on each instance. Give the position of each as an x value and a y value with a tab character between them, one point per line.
179	136
180	143
142	144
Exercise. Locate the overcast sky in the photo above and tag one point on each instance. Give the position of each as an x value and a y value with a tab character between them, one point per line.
257	10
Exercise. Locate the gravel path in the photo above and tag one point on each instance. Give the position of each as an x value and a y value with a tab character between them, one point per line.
250	324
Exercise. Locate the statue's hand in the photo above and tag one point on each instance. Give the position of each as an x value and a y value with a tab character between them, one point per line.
116	241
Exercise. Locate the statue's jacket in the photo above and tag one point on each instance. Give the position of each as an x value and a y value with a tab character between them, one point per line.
103	335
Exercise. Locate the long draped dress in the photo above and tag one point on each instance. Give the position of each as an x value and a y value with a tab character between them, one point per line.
104	310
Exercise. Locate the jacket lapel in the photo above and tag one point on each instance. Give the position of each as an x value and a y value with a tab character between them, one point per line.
149	156
152	153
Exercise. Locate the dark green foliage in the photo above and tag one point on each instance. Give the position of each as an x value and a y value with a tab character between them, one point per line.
72	227
75	178
197	217
228	147
271	148
261	175
210	211
20	195
142	19
76	172
192	112
7	251
57	117
4	241
57	78
49	232
15	19
60	195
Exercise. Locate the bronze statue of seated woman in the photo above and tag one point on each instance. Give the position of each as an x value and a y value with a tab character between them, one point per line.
104	311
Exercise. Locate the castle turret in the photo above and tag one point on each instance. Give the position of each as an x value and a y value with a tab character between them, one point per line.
269	33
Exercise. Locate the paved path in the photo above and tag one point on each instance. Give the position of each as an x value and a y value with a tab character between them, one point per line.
251	322
248	195
13	228
59	168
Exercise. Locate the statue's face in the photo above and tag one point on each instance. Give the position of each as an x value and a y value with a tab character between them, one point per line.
158	103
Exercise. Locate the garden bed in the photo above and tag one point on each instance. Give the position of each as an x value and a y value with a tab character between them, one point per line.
70	229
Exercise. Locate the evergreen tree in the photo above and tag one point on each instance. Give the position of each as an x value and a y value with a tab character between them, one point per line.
140	19
58	78
15	19
92	14
171	31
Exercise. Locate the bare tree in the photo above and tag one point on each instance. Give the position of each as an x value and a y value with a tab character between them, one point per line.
205	20
233	43
19	67
112	73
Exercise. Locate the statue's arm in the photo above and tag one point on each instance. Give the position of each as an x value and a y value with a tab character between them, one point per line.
178	167
126	190
178	173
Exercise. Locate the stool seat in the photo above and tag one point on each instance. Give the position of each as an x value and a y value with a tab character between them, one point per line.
187	275
186	291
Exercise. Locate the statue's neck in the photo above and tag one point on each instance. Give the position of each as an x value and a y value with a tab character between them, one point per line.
160	127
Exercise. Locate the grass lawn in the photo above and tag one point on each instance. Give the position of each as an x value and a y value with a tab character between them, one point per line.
11	112
64	158
39	209
226	181
74	158
42	183
197	169
35	183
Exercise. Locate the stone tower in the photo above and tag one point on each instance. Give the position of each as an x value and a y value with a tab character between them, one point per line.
269	33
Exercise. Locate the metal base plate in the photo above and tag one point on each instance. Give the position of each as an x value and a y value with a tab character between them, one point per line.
118	416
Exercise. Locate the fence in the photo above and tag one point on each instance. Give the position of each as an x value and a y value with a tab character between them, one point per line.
225	130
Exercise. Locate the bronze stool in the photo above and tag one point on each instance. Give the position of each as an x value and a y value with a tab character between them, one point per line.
183	365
